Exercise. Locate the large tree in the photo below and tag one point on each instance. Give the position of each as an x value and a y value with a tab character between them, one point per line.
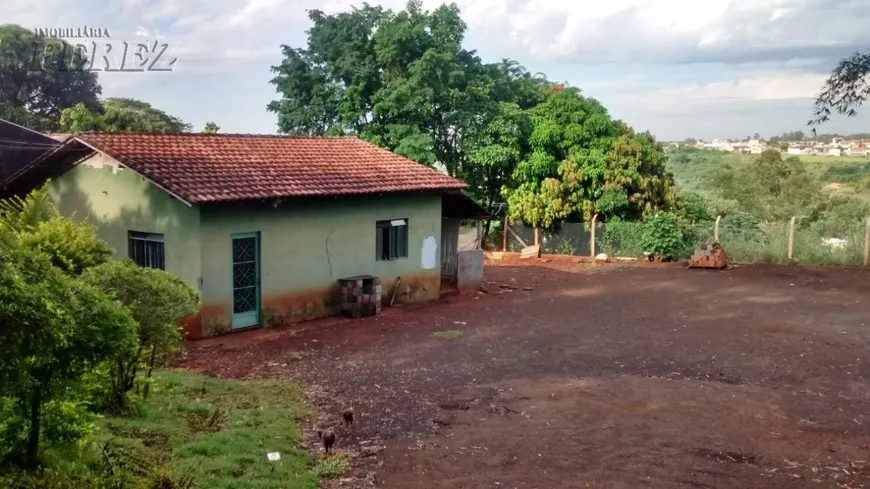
397	79
39	77
120	115
403	81
581	161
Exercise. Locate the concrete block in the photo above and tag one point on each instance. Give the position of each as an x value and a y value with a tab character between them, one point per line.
469	270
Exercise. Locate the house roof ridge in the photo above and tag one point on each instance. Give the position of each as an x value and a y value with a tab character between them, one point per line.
216	135
201	167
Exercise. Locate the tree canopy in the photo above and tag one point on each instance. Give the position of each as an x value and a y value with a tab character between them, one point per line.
45	86
399	79
404	81
772	189
120	115
581	159
40	77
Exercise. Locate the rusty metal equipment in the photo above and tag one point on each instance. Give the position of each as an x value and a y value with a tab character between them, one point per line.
711	257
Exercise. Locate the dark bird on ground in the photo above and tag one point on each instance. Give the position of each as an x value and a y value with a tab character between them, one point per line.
348	416
327	438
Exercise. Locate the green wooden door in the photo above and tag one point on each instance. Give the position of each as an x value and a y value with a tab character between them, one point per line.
246	280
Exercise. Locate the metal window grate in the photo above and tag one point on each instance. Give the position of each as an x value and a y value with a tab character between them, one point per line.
391	239
244	275
146	249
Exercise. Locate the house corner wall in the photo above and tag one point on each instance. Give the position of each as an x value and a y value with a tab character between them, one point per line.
117	200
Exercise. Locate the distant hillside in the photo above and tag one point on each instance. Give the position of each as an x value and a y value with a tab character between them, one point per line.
695	169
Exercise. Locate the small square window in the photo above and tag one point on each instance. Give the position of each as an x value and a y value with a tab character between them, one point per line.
392	239
146	249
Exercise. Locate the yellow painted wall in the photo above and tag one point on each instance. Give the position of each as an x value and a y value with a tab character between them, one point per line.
307	246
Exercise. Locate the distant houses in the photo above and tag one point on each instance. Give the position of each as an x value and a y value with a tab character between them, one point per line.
838	146
750	146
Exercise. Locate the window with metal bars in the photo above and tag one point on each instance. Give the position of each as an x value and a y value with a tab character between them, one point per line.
392	239
146	249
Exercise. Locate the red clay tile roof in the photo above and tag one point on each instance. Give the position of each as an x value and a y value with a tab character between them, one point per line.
226	167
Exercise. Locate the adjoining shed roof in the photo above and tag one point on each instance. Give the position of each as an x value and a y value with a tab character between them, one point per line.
227	167
19	146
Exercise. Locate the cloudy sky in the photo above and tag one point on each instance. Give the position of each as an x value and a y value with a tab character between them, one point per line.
680	68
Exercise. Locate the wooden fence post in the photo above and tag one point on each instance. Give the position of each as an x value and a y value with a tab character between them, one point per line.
867	243
716	229
791	239
504	234
592	238
480	236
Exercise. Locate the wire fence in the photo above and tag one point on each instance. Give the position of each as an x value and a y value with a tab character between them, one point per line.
744	242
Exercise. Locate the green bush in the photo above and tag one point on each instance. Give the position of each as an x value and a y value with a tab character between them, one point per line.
36	223
72	246
18	215
158	301
55	329
622	238
695	208
663	236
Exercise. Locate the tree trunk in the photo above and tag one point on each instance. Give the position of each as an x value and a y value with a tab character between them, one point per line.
35	411
126	375
150	369
120	389
485	234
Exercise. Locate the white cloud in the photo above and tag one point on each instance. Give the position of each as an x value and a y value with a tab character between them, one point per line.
689	98
753	50
253	9
670	30
625	31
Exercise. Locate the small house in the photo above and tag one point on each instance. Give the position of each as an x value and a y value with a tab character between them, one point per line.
265	227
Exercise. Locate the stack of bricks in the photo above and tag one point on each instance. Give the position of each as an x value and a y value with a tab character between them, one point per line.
360	296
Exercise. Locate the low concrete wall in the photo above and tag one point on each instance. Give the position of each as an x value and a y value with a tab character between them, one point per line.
470	270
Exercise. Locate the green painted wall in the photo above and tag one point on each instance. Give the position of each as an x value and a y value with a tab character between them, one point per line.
306	246
118	200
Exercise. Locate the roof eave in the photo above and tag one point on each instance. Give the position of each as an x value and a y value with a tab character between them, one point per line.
434	190
146	177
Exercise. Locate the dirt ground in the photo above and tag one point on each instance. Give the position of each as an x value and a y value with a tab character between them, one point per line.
575	376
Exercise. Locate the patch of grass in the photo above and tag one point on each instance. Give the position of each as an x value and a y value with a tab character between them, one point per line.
193	431
450	334
219	431
331	467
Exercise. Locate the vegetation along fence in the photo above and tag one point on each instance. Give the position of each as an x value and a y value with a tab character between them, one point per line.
745	241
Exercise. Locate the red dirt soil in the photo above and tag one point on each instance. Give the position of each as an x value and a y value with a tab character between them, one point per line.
596	376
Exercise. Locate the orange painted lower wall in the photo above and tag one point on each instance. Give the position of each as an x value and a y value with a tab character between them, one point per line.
281	309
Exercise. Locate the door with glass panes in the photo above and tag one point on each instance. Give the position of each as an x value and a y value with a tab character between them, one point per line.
246	280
